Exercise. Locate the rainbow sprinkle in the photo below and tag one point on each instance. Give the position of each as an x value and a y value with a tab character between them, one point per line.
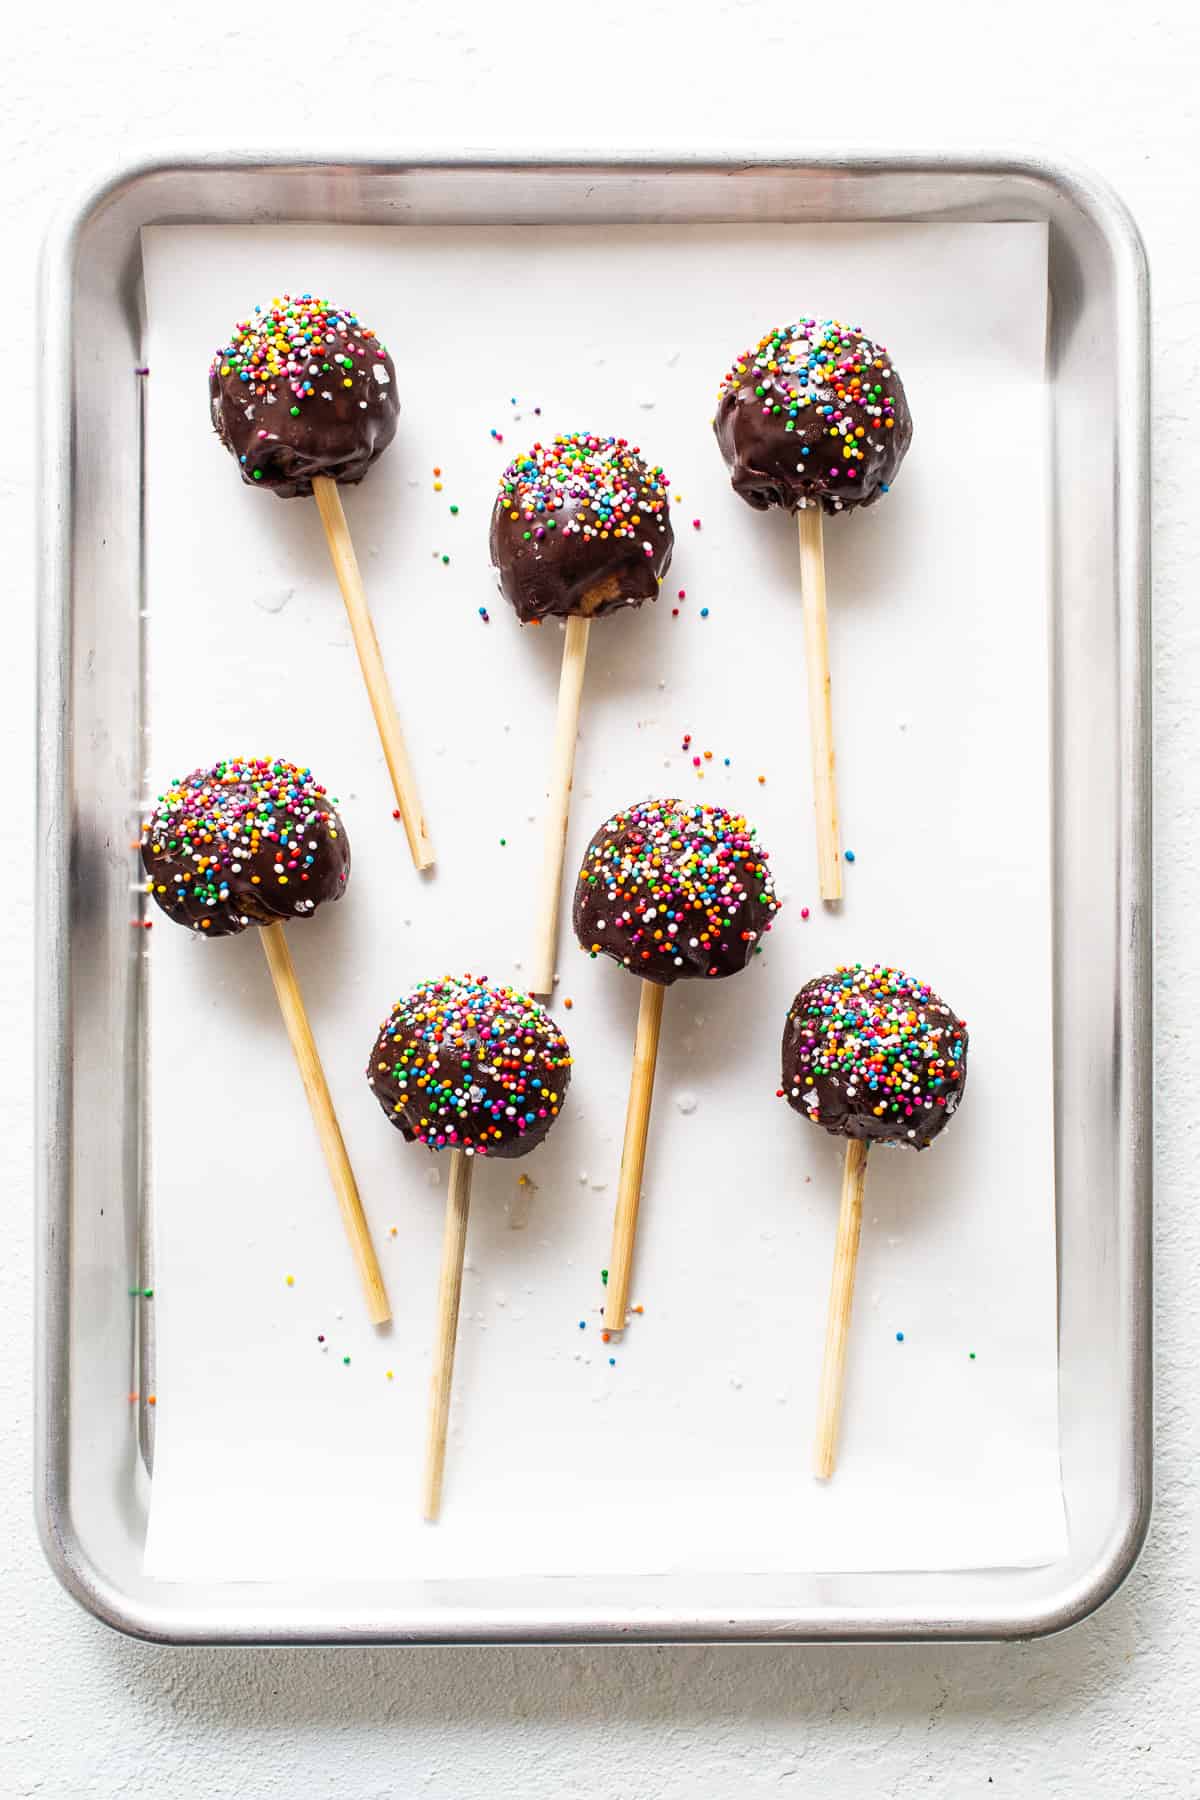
825	366
599	485
304	343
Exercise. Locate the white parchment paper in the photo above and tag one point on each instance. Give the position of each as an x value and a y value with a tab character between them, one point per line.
687	1445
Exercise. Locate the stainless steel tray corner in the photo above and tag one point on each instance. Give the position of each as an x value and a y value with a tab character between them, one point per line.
90	1479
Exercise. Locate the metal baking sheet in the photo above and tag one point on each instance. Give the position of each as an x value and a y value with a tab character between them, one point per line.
91	1479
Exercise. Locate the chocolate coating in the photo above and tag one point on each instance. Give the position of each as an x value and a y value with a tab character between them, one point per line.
580	525
461	1065
672	889
302	389
870	1053
244	843
816	413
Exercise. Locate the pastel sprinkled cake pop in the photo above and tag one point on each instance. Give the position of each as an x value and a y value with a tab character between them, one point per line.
480	1071
581	528
875	1057
670	890
258	841
304	398
814	420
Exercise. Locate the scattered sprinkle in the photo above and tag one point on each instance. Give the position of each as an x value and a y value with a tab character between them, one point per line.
849	856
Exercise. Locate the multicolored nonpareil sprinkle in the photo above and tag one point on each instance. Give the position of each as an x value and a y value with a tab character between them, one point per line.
303	391
822	365
671	888
462	1065
587	485
304	344
246	841
869	1052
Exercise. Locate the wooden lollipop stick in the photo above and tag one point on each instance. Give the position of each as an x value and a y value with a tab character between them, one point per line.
820	710
291	1005
841	1300
562	775
633	1156
345	563
454	1244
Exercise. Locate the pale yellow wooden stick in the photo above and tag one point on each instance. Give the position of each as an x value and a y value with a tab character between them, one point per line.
291	1005
841	1302
345	563
562	775
820	710
454	1245
633	1156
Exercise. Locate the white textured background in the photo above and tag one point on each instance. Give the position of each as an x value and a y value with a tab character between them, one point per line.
1112	1709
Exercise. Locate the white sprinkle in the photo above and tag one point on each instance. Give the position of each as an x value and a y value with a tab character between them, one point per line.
686	1102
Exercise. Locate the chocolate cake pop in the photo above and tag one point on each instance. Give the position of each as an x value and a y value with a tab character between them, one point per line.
247	842
669	890
814	420
581	526
480	1071
872	1054
304	398
816	413
303	389
257	842
875	1057
461	1065
673	889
